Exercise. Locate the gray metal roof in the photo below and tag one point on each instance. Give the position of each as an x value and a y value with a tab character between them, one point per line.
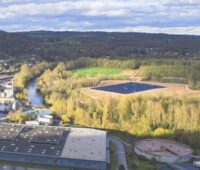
85	144
51	141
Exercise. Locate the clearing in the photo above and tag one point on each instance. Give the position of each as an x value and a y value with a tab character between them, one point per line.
94	71
169	90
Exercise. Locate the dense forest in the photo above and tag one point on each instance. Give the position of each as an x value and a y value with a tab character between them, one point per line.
51	46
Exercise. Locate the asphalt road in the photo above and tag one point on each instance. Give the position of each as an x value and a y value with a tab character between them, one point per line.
120	152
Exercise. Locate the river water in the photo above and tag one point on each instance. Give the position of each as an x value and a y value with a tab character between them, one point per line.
34	97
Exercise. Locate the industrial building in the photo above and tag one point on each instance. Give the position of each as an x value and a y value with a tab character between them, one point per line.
7	100
80	148
165	151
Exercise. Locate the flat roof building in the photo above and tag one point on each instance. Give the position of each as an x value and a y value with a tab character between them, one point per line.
88	144
80	148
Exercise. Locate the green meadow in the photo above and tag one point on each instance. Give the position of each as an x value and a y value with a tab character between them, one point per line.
94	71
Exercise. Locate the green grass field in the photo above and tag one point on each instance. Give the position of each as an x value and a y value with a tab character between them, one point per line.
93	71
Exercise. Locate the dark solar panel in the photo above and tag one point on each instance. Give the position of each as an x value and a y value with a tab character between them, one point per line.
9	132
38	140
3	145
127	88
47	135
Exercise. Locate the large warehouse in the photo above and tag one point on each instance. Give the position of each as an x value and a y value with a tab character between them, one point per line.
80	148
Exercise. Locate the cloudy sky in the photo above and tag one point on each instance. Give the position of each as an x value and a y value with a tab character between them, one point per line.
154	16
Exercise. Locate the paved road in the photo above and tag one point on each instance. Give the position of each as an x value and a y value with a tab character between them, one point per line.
121	156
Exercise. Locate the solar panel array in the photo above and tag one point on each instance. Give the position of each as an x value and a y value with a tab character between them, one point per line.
9	132
38	140
127	88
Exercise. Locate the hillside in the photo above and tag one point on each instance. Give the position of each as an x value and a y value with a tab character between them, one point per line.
50	45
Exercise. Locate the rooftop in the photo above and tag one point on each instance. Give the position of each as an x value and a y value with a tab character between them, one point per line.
40	112
86	144
50	141
39	140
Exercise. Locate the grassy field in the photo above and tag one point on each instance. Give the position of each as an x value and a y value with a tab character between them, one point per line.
93	71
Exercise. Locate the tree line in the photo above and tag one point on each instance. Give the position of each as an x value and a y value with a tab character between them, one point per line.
170	72
51	46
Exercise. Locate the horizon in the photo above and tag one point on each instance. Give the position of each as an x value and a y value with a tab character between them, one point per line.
167	17
88	31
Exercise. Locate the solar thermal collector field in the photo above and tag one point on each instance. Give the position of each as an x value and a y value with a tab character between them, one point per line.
127	88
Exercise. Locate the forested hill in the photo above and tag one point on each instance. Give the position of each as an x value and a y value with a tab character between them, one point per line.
70	45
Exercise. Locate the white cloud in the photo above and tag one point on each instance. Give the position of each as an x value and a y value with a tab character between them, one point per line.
180	16
119	12
98	7
91	8
168	30
69	25
32	9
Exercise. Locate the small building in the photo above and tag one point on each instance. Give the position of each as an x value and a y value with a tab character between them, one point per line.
42	116
38	112
45	119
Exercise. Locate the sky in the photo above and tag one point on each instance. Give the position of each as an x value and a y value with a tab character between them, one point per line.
151	16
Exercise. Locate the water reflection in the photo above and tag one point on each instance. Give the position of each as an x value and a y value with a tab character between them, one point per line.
34	97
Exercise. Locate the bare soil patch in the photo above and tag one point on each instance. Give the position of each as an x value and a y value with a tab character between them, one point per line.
173	90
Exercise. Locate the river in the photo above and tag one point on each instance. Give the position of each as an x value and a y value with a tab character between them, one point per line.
34	97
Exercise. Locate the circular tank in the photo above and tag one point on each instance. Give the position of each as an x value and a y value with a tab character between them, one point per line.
162	150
